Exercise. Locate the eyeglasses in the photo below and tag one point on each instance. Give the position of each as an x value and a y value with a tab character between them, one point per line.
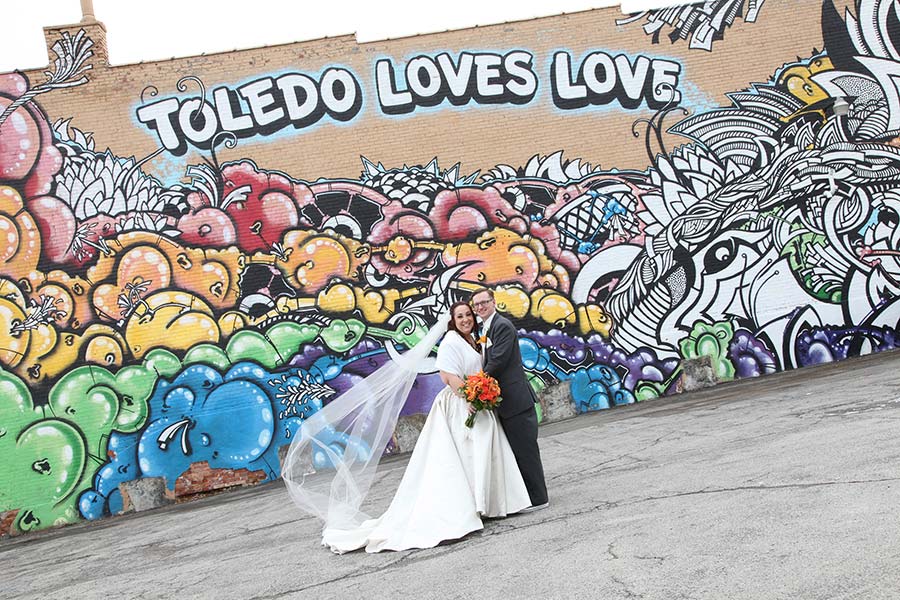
481	303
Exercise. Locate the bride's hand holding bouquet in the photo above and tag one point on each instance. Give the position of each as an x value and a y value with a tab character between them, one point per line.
482	392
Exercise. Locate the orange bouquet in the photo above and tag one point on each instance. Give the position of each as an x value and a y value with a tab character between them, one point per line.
481	391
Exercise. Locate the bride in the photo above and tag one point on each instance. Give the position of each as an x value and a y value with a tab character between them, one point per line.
455	476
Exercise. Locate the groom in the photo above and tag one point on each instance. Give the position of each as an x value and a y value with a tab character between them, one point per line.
516	413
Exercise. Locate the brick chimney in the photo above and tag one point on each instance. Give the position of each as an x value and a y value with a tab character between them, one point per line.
93	28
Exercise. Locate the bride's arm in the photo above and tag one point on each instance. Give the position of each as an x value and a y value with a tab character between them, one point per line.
454	381
449	360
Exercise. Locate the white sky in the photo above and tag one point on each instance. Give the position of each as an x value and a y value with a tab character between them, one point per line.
157	29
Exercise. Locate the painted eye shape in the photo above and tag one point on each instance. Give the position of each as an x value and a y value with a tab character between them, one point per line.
719	256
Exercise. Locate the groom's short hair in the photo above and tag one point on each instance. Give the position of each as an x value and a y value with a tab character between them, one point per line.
483	290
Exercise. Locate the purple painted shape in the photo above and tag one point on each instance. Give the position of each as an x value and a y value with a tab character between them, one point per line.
828	344
750	356
641	365
571	349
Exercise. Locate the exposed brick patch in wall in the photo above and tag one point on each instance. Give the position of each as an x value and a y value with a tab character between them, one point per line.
7	518
203	478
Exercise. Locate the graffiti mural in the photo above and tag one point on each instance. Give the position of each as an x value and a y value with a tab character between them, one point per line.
704	23
149	327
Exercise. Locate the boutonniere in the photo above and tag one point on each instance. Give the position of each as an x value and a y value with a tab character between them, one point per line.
482	340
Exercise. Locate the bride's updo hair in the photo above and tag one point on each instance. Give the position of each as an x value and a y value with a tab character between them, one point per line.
451	326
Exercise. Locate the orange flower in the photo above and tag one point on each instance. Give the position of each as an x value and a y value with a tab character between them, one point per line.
482	340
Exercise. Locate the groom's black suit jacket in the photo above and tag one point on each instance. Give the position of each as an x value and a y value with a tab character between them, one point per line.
504	363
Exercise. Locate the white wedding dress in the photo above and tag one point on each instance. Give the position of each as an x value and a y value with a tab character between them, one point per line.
455	476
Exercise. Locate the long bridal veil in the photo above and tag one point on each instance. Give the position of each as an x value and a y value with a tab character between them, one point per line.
332	460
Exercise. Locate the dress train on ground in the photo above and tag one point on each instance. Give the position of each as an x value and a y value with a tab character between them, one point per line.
455	476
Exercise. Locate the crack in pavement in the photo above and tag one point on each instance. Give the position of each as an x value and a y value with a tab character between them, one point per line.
625	588
631	455
609	549
407	557
569	445
168	548
41	563
659	559
597	467
413	556
658	440
345	576
193	583
592	469
745	488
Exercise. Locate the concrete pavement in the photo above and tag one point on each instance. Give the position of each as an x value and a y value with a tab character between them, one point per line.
784	487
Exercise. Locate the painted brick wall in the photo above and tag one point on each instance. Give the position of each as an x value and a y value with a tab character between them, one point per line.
197	257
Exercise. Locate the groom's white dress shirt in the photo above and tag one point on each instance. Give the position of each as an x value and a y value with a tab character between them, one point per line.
485	326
